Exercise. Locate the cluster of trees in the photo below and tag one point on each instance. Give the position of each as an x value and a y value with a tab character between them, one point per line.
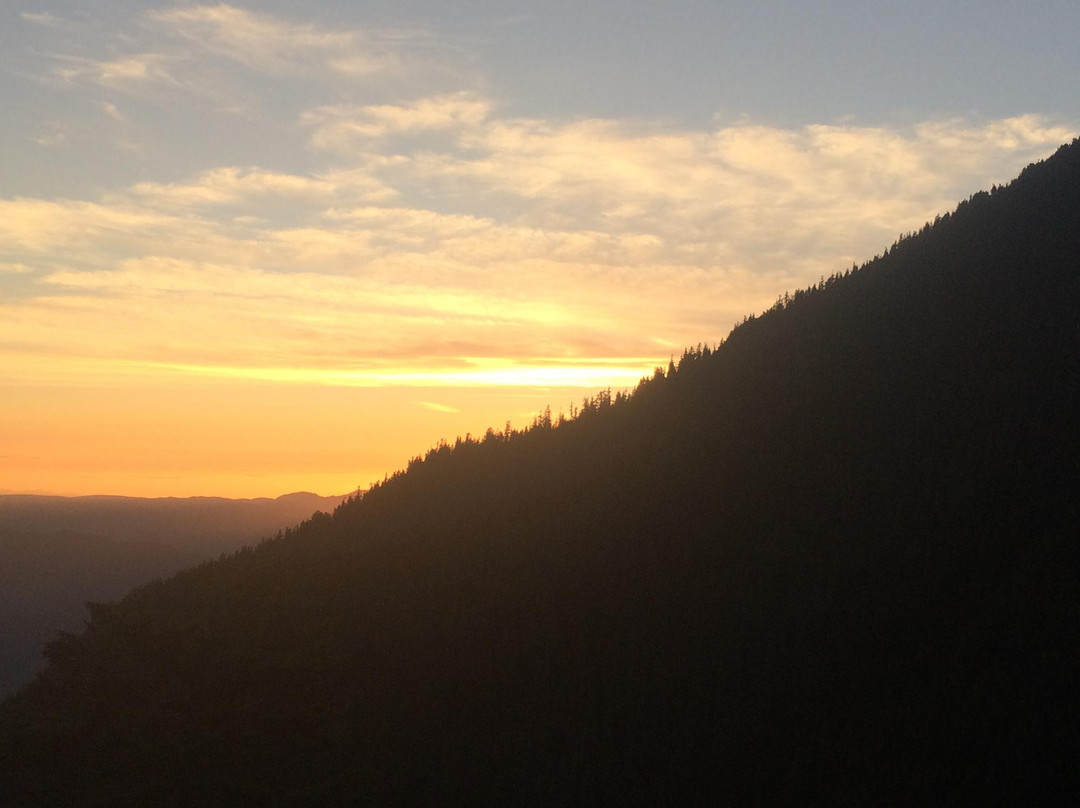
831	560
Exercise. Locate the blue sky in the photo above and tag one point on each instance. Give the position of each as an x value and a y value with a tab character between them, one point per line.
447	215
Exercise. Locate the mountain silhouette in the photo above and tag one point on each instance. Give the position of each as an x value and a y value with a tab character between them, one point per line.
832	560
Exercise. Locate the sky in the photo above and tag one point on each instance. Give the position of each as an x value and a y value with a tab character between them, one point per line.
253	249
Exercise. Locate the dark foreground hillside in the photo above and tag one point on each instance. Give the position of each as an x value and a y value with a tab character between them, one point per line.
833	561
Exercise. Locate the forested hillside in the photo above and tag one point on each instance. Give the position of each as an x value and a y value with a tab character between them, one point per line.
832	560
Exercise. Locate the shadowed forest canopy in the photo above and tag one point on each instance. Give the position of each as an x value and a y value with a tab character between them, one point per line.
831	560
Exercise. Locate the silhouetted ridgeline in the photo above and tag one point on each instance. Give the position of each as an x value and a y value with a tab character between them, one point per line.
200	525
832	561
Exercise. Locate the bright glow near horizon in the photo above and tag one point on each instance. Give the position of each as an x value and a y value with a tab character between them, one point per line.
245	252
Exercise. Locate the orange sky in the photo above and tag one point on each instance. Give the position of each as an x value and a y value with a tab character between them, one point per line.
241	438
244	253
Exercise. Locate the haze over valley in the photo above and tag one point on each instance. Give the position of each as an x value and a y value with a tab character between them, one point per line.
59	553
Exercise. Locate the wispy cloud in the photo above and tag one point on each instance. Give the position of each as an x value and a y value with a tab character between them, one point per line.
43	18
89	232
111	110
195	50
231	185
759	196
507	251
622	174
141	68
53	139
339	127
269	44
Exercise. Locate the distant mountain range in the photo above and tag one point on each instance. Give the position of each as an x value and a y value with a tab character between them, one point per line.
833	560
56	553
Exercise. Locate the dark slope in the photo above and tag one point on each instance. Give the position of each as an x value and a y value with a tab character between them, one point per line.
833	561
58	552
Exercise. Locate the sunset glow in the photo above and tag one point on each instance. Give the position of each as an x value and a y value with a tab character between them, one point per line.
245	252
